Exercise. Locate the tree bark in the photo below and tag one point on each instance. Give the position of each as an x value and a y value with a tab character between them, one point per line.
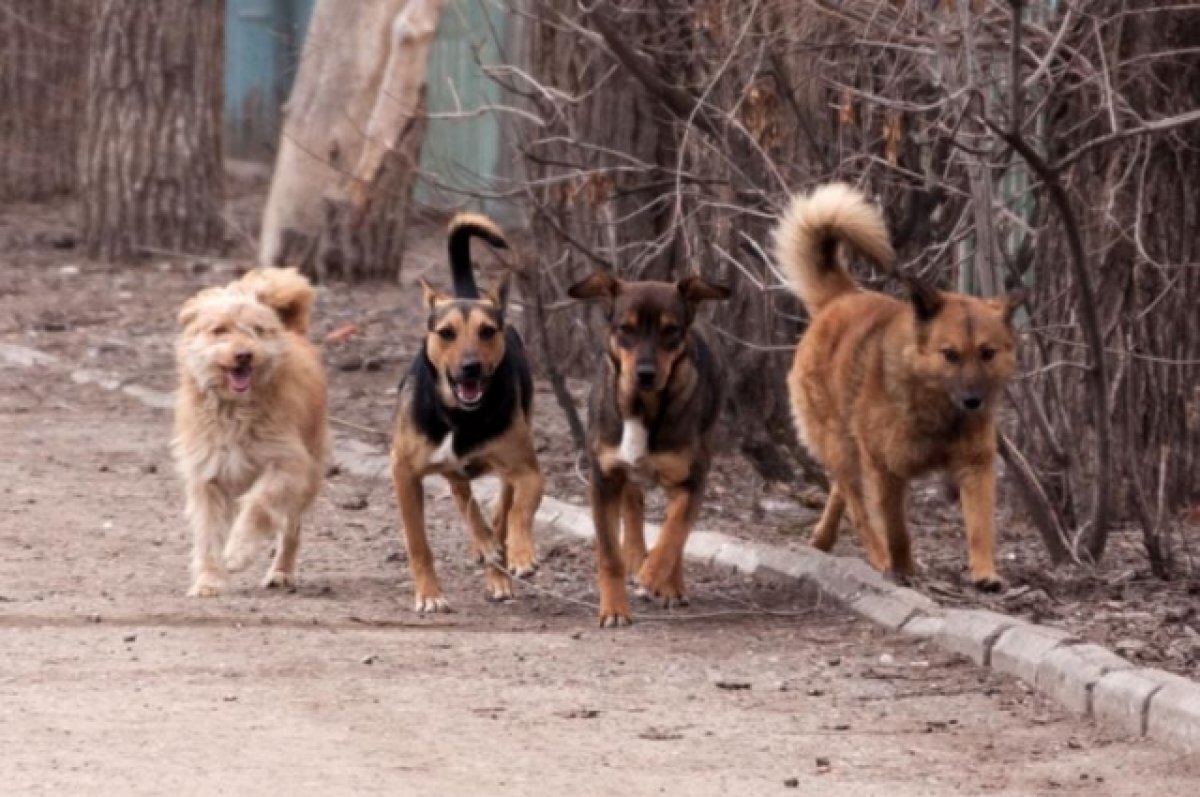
43	60
150	157
347	164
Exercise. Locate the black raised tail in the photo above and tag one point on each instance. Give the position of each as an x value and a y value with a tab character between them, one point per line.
463	227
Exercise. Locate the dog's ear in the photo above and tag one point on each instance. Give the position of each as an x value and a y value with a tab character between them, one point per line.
696	290
189	311
1008	304
601	285
431	295
499	292
926	300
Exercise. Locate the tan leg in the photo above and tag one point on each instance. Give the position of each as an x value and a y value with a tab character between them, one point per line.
500	513
977	488
884	494
267	512
656	577
871	539
527	496
410	495
633	518
825	533
484	542
610	570
210	512
283	570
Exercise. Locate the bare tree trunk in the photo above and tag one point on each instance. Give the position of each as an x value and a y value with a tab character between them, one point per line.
43	58
347	163
150	156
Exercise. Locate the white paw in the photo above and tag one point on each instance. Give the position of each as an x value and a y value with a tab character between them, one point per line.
434	604
206	585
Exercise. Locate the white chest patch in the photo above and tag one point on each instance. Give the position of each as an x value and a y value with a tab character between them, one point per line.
634	439
444	455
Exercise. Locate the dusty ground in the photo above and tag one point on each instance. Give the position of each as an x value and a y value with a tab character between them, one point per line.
112	681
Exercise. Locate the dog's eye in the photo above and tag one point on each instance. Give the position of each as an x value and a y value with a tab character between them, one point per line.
670	331
446	334
987	353
220	330
951	356
259	331
628	330
487	333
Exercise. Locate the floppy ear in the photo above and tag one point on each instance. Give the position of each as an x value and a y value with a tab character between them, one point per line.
1007	304
926	300
431	295
189	311
695	290
601	285
499	292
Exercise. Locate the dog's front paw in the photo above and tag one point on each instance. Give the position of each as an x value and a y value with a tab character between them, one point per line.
499	586
522	563
280	579
489	553
431	604
615	613
668	596
206	585
662	586
990	583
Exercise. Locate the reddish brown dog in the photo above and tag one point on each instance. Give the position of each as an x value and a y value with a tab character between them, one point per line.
885	390
654	402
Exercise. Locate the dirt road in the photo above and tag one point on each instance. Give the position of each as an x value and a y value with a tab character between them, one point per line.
113	683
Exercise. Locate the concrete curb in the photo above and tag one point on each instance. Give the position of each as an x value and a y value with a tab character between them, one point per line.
1085	678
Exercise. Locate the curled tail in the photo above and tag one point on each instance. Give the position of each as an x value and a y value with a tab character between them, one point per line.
462	228
807	238
284	290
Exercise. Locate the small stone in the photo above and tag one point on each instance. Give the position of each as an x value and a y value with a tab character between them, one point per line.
354	503
887	659
791	783
369	660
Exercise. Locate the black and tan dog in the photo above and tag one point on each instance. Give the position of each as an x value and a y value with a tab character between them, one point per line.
653	407
464	411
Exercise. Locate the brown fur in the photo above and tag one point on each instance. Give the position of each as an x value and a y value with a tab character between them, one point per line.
885	390
464	334
675	401
251	459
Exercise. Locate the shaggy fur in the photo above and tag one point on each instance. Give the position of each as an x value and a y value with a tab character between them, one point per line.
654	403
885	390
250	427
465	410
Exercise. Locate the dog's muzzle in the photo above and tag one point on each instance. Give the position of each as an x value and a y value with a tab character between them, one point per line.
469	385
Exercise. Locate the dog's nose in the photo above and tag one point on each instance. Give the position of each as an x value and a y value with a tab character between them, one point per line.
972	402
470	369
646	375
242	358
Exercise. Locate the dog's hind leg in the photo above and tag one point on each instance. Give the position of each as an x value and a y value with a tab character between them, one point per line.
633	518
282	574
266	511
977	487
482	540
825	533
410	495
210	512
884	494
870	537
610	569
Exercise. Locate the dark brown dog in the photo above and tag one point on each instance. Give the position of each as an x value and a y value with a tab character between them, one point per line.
885	390
464	411
653	406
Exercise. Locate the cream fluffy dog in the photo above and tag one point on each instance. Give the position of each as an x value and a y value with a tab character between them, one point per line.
250	424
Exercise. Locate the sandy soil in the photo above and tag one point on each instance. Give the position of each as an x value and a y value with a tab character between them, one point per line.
112	682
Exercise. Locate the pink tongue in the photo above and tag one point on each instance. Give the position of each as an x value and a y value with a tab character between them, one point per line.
469	392
238	382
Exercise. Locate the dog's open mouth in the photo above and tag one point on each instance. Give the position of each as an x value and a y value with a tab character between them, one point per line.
469	393
239	378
